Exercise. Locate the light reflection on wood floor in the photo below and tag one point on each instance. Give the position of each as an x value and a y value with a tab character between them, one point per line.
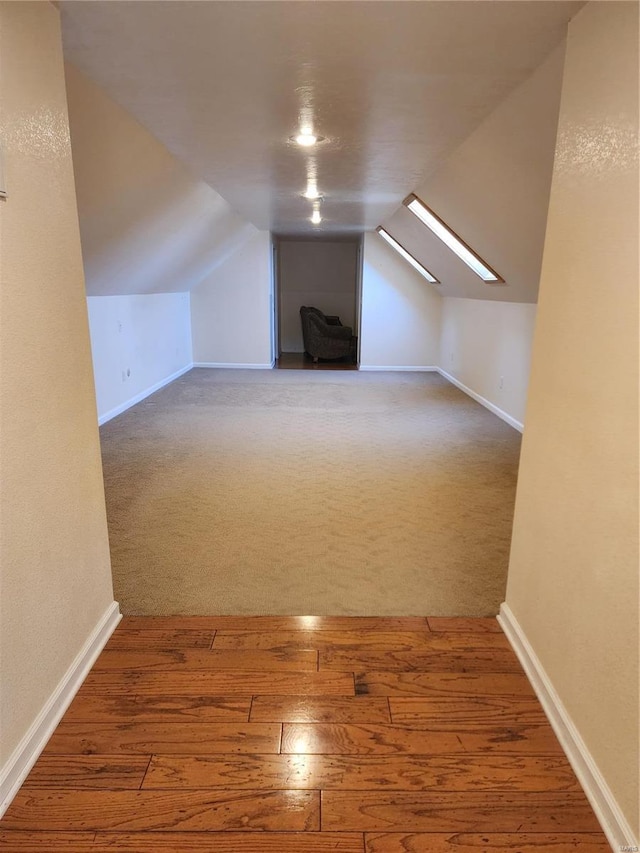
304	735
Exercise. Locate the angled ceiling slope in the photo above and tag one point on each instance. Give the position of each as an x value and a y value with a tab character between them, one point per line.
394	86
493	191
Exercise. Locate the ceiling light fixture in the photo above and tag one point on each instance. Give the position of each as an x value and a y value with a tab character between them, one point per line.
312	194
306	138
451	239
402	251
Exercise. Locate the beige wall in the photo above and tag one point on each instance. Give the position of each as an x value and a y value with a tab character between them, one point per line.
486	346
147	225
56	582
573	576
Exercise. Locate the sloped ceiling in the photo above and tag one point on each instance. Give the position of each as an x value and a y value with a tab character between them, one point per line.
394	87
147	224
493	191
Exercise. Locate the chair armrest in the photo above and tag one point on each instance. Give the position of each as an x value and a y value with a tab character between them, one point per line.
332	319
341	333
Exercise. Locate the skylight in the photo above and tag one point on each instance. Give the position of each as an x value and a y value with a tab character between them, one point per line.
450	239
402	251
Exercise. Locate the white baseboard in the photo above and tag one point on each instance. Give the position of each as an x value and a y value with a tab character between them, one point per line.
142	395
28	750
232	366
613	822
482	400
395	368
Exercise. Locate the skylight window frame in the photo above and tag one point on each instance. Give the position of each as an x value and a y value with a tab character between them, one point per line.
497	281
415	263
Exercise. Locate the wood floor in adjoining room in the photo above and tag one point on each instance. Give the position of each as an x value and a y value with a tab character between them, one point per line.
302	361
303	735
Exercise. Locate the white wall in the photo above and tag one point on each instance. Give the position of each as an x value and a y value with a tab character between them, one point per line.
232	309
494	191
322	274
150	232
400	311
138	344
486	348
54	561
573	573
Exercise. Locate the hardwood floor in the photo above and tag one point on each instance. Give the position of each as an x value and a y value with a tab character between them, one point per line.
303	735
301	361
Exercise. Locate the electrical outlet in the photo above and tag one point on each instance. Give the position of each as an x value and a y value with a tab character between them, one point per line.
129	373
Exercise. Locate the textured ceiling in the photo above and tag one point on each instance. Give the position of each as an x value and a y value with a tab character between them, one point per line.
393	86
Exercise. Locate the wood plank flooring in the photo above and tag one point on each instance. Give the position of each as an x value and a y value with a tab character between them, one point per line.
302	361
303	735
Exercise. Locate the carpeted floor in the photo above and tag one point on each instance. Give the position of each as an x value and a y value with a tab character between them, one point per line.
303	492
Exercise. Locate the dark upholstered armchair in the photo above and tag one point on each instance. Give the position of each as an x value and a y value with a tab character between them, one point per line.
325	336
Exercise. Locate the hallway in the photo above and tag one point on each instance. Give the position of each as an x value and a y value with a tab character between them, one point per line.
153	153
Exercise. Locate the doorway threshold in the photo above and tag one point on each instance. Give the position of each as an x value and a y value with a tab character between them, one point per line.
302	361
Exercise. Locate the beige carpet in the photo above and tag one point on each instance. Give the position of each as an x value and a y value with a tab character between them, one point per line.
309	492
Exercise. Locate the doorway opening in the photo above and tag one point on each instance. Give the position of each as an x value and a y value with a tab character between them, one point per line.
324	274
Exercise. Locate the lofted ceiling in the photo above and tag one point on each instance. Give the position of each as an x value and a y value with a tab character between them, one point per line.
394	87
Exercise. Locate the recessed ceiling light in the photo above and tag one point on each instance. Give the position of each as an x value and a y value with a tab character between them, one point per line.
316	218
306	139
312	194
451	239
402	251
